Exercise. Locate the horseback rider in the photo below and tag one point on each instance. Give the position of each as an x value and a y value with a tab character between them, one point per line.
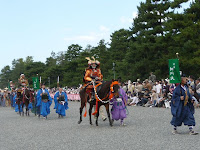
92	73
23	82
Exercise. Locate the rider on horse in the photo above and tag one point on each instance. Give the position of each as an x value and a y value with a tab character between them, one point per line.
92	73
23	82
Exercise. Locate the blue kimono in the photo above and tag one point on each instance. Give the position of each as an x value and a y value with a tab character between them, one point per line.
14	100
16	105
44	106
60	108
11	99
182	114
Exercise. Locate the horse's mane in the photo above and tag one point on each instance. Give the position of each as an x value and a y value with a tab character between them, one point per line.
105	88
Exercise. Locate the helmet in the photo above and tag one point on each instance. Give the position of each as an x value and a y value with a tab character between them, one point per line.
90	62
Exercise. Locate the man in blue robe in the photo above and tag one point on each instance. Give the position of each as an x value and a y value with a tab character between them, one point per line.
182	108
44	101
61	103
15	105
11	97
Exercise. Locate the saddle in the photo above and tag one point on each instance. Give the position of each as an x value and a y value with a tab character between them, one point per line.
89	87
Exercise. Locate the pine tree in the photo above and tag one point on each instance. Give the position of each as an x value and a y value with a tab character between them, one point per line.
147	44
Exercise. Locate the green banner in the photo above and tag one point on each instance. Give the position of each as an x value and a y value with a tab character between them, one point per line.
174	72
36	84
9	86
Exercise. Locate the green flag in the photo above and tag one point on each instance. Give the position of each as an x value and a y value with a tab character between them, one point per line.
36	84
9	86
174	72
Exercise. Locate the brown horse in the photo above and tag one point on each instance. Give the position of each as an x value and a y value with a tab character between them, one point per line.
103	93
27	98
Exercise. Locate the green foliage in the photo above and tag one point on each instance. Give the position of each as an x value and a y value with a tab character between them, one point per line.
156	35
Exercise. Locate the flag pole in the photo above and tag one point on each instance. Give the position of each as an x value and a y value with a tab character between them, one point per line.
58	82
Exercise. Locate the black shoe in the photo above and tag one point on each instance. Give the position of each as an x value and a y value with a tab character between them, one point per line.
104	119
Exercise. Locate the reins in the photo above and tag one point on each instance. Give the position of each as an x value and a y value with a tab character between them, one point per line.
110	94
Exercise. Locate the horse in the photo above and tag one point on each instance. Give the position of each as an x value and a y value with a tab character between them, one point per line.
103	92
28	97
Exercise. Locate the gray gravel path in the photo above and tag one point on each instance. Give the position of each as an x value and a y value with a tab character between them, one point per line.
147	128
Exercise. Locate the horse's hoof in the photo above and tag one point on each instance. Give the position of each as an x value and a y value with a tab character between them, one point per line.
79	121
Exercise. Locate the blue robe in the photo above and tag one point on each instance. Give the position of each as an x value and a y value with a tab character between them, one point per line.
60	109
11	99
182	114
44	107
14	100
16	105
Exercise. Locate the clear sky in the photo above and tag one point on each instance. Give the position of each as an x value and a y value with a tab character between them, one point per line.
38	27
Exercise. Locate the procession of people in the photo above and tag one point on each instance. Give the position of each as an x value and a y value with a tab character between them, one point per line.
182	98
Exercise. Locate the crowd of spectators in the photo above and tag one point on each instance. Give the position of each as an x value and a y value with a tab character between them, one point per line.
147	93
157	93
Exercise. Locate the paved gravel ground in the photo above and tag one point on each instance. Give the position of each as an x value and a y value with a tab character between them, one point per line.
147	128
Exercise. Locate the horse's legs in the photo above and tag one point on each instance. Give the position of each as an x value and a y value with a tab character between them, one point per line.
19	108
97	114
22	109
81	110
108	113
39	110
90	112
27	109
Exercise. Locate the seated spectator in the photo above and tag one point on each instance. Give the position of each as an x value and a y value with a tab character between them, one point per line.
135	100
198	86
154	98
146	98
129	97
161	101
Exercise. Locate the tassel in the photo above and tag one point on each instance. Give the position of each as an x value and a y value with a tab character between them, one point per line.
85	114
95	112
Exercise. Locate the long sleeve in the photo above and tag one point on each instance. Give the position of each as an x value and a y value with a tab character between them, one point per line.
39	98
87	76
66	101
55	100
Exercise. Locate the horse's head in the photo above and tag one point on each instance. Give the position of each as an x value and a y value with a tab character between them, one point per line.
19	94
114	88
27	92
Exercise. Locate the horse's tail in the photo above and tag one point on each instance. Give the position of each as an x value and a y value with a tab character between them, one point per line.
83	100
